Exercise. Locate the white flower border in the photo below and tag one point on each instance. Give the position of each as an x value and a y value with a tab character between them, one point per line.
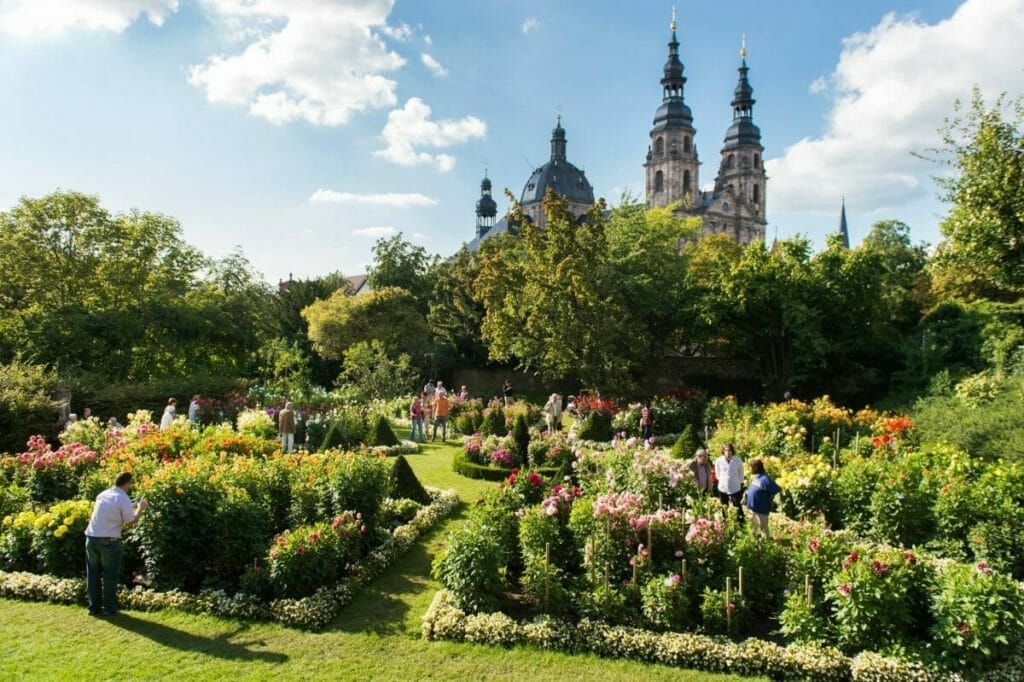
312	613
444	621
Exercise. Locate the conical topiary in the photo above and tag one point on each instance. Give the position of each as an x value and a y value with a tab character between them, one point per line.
382	433
404	483
521	435
686	444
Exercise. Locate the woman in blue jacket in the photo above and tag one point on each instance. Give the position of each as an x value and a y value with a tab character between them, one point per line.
759	496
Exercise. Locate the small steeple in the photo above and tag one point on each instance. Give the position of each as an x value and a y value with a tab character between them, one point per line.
673	79
743	96
558	140
844	231
486	207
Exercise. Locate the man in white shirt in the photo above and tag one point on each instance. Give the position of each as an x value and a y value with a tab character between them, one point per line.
729	472
113	512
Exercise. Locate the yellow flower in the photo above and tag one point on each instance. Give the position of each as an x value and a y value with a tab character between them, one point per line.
69	521
180	491
60	532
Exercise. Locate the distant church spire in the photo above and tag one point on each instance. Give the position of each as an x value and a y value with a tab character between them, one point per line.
844	231
558	140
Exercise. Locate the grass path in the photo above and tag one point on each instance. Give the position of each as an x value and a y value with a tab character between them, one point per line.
377	636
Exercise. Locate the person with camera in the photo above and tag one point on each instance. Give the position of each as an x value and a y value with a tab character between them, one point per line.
113	512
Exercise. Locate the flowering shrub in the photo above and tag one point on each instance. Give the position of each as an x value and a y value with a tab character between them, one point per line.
221	439
303	559
88	432
724	617
256	423
807	486
470	567
665	603
877	598
979	616
473	447
54	475
59	535
503	458
16	542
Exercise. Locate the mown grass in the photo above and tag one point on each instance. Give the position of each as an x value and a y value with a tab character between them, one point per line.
377	636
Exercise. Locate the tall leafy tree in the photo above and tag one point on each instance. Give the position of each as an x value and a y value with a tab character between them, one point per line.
399	263
983	252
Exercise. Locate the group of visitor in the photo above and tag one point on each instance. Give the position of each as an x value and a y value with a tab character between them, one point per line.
725	480
431	407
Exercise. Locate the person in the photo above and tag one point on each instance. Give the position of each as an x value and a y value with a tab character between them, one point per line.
729	472
168	418
193	410
113	425
506	391
286	427
440	390
700	468
416	417
759	496
86	412
646	423
463	393
441	416
429	393
113	512
551	411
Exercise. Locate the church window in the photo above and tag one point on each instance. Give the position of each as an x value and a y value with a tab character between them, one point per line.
757	160
659	182
686	181
757	194
659	146
687	145
729	161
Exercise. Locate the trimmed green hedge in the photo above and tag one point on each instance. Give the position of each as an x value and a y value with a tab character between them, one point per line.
462	466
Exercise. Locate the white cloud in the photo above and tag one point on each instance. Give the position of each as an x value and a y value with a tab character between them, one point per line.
316	60
376	232
891	89
55	18
428	41
392	199
433	65
402	33
411	127
529	24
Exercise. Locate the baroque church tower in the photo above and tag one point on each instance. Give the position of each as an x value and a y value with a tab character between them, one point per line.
736	205
672	167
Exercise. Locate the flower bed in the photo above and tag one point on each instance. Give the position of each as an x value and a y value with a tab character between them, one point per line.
628	540
313	612
444	621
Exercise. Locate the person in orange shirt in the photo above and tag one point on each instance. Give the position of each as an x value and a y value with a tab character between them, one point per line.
440	416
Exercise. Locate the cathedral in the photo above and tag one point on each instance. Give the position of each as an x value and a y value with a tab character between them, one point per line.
734	206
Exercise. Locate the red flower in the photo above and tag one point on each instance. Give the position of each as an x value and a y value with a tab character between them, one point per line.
963	628
983	568
535	480
880	568
845	589
814	545
851	559
910	557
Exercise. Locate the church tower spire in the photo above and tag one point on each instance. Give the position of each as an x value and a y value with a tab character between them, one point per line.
672	165
486	208
844	231
741	170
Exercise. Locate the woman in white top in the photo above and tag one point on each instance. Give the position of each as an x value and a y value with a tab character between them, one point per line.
168	418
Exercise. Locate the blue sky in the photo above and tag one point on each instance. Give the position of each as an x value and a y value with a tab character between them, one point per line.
233	115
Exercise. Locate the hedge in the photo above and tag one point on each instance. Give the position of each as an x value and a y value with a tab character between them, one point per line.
443	621
462	466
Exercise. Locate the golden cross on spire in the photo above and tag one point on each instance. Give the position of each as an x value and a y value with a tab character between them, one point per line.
673	24
558	113
743	47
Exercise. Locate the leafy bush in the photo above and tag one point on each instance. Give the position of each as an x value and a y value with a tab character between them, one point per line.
257	423
493	423
686	443
597	426
405	484
346	430
358	483
665	603
987	429
978	616
16	542
25	404
713	608
58	537
470	568
764	564
381	432
544	585
395	513
521	434
302	560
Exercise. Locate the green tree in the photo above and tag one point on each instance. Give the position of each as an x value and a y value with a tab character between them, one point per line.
291	327
377	375
983	255
551	301
399	263
389	315
455	314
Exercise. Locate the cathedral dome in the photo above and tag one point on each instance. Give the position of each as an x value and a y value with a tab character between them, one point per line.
559	175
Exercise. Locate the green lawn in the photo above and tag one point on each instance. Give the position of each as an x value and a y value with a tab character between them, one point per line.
375	637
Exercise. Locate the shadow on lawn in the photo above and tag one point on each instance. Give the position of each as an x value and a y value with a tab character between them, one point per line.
220	646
